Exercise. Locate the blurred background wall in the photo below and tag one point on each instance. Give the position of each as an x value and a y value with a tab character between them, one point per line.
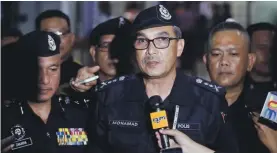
86	15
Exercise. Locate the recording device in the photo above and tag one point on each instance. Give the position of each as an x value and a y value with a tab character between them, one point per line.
268	115
159	119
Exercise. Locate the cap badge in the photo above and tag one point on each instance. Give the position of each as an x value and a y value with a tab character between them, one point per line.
164	13
51	43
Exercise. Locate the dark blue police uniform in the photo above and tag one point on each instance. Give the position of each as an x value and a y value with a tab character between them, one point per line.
67	119
65	128
122	122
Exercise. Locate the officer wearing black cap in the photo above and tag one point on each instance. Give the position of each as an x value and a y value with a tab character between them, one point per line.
36	120
193	105
101	39
110	50
260	79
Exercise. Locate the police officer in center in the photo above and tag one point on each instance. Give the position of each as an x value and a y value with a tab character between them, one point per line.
38	121
123	109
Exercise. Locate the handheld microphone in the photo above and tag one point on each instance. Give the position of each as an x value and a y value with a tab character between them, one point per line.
268	115
159	119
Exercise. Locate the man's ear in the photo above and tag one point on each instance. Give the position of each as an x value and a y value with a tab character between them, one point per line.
251	61
72	38
92	51
180	47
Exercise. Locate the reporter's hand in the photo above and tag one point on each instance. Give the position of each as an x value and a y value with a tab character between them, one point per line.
267	135
6	143
183	141
83	74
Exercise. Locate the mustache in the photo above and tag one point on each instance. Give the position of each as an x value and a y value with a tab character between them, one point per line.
151	59
225	71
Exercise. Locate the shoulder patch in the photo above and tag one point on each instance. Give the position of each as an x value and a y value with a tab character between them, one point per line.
68	101
114	81
209	86
11	103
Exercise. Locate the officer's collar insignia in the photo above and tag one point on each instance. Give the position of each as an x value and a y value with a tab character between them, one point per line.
19	133
71	137
121	22
223	116
164	13
251	86
104	84
208	85
51	43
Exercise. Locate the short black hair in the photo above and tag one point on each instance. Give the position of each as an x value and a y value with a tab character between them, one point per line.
260	26
50	14
224	26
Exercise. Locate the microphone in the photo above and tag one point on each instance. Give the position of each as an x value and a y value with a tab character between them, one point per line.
159	119
268	115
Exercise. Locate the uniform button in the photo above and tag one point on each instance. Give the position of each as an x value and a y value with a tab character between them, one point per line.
48	134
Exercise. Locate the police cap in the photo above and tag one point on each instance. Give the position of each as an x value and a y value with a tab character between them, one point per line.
112	26
155	16
40	44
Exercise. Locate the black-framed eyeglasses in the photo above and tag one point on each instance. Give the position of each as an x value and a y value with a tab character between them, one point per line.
159	42
103	46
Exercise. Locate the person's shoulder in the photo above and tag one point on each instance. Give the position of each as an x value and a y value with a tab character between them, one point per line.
207	86
11	104
115	83
69	102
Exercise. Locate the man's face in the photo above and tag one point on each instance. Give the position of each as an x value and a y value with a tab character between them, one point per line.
156	62
102	56
55	24
228	60
49	77
261	43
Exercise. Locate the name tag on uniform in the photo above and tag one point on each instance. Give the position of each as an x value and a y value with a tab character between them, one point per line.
20	141
124	123
188	126
71	137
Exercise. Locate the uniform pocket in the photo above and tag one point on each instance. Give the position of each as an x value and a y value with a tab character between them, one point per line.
126	136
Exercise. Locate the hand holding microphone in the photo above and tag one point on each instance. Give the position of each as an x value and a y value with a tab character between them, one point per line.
182	141
159	119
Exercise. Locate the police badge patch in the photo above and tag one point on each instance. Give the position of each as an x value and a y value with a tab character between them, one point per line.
19	133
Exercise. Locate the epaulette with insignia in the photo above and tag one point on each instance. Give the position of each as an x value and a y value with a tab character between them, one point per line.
11	103
107	83
69	101
209	86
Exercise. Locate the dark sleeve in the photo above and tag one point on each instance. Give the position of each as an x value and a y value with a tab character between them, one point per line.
98	128
222	138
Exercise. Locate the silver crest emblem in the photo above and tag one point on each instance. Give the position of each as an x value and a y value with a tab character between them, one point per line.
164	13
199	80
51	43
18	131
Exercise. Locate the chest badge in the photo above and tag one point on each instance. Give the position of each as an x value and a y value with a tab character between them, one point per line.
71	137
20	141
